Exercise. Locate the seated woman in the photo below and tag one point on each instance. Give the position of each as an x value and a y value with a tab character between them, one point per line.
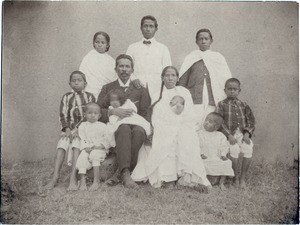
175	145
204	73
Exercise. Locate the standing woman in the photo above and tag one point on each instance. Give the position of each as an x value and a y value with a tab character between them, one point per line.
98	65
204	73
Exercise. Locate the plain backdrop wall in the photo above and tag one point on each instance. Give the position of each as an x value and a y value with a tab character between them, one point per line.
45	41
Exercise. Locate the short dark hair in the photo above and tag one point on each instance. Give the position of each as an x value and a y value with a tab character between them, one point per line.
117	92
217	118
91	104
124	56
149	17
104	35
204	30
234	80
78	72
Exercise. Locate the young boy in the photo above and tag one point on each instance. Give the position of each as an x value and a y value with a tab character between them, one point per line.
94	145
238	127
71	115
150	57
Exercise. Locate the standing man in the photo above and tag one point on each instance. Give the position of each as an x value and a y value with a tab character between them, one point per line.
129	138
150	57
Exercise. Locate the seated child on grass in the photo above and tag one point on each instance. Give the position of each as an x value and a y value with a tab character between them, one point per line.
117	100
238	127
71	114
94	145
214	147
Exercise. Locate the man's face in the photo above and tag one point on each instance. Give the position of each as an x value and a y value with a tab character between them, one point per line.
124	69
148	29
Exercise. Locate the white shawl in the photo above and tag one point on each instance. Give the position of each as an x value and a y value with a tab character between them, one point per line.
217	66
99	70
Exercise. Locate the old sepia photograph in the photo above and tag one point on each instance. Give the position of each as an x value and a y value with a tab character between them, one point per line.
150	112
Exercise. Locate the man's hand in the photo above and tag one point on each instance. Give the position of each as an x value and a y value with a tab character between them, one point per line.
232	140
203	156
88	149
137	83
122	113
224	158
67	134
246	138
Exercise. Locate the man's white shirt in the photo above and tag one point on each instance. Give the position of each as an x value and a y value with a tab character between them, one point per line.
149	61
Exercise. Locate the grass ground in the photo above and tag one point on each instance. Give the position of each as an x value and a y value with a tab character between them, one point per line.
272	197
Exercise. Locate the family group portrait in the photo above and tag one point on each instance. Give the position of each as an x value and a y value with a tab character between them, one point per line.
150	112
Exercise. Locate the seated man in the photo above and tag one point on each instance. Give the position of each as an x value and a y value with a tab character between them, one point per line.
129	138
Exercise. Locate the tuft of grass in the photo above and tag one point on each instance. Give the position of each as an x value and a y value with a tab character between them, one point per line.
271	197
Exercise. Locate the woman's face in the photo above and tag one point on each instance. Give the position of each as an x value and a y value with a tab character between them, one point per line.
100	44
204	41
170	78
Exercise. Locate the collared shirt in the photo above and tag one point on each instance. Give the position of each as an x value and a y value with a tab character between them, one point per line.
236	114
125	86
149	61
71	108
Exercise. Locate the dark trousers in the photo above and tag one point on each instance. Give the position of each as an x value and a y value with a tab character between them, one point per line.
129	140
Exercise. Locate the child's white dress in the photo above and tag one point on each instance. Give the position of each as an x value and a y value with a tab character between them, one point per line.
135	119
214	145
175	145
92	134
99	70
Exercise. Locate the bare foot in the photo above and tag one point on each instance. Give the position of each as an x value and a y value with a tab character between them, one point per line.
94	186
127	180
82	186
114	180
236	182
222	187
169	185
242	184
73	186
51	184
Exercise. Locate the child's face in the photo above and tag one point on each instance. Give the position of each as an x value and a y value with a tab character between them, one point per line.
100	44
77	82
148	29
170	78
92	113
232	89
210	124
114	101
177	105
204	41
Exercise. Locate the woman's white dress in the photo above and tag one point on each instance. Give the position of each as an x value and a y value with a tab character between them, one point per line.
175	145
99	70
214	145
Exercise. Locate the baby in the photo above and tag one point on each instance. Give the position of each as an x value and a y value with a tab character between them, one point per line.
117	99
177	104
94	145
213	148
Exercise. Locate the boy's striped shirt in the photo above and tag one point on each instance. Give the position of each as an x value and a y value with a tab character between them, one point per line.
71	108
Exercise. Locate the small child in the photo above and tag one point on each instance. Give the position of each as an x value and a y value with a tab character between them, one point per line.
94	145
117	100
71	114
177	104
214	147
238	127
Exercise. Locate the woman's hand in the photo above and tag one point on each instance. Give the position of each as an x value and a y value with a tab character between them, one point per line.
224	158
66	134
203	156
74	134
137	83
232	140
